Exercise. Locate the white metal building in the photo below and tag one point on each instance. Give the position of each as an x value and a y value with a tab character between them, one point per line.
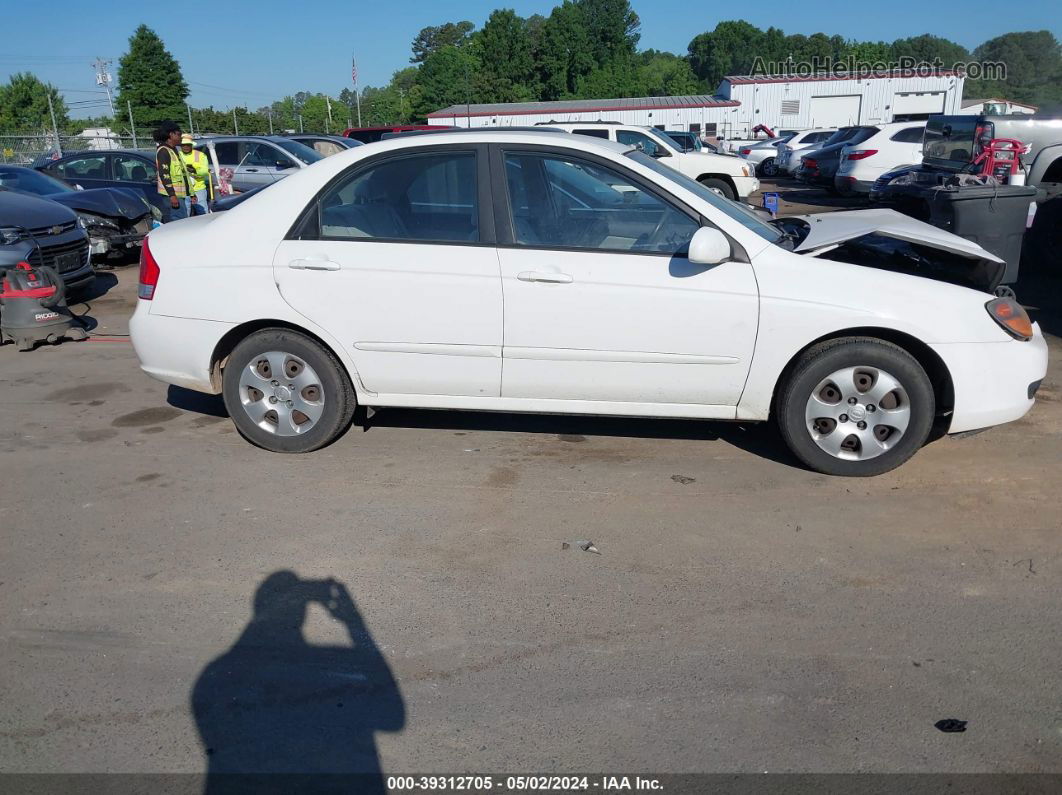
834	101
672	113
741	103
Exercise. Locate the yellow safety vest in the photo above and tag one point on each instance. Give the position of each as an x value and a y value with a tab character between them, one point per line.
198	171
177	174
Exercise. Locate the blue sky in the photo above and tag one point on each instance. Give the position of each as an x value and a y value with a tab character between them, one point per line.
238	52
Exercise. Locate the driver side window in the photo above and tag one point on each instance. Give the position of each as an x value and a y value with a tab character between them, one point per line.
641	140
564	203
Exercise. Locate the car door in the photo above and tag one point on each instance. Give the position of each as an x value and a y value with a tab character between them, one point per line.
131	171
88	171
270	160
601	303
396	259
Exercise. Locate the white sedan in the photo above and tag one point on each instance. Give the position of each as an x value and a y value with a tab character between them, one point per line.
540	272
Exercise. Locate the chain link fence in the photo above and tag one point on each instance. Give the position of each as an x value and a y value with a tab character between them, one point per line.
28	149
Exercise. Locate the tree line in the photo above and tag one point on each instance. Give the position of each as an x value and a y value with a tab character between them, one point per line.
583	49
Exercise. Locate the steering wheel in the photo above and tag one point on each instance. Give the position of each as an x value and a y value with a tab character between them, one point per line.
651	239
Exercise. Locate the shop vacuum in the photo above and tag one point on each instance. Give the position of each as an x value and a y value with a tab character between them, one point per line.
33	307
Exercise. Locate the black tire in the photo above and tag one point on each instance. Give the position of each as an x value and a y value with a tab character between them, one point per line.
339	400
818	363
720	185
769	168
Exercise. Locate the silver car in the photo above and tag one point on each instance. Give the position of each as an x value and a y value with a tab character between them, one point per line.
257	160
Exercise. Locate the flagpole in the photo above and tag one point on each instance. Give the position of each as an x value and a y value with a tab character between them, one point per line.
354	77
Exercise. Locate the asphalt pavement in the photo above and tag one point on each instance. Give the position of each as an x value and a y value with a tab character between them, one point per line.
173	599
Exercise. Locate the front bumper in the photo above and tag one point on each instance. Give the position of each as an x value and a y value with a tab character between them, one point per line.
992	380
746	186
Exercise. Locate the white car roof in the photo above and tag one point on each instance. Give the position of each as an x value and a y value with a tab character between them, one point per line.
500	135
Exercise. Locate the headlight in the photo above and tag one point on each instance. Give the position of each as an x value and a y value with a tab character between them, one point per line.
10	235
1012	317
86	220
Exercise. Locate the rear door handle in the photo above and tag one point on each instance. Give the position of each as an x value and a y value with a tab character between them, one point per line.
538	276
314	265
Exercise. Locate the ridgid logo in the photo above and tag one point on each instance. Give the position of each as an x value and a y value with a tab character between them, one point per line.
851	66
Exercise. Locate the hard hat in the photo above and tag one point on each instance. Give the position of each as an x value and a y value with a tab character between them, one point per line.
186	140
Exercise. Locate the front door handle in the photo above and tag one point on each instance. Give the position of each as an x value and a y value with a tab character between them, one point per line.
255	170
314	265
538	276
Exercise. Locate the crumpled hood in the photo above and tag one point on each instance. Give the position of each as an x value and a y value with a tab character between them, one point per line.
979	268
108	202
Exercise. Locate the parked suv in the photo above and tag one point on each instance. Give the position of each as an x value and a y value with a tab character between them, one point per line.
729	175
257	160
43	232
897	144
787	160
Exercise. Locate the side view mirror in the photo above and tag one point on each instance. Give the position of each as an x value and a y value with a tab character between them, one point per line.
661	152
709	246
283	164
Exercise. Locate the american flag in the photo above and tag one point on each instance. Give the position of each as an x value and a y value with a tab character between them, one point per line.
354	68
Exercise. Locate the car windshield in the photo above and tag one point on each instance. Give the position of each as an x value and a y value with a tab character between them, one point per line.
301	151
842	134
734	210
663	139
30	181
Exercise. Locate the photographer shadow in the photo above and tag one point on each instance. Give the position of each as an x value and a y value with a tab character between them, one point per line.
276	714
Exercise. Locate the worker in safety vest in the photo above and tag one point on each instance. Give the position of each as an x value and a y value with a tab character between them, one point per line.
172	181
198	167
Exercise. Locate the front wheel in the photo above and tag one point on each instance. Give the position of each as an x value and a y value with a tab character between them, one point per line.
720	185
856	406
287	393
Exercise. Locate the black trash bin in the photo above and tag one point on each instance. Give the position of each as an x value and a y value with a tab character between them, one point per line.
992	216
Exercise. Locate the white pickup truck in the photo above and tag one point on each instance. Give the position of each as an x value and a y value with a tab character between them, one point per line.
733	177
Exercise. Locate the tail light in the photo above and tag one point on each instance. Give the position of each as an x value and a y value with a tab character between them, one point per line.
860	154
149	273
810	162
746	151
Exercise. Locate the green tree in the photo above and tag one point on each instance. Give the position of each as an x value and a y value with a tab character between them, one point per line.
663	74
433	39
927	48
729	49
506	58
150	80
1034	68
564	55
447	77
24	104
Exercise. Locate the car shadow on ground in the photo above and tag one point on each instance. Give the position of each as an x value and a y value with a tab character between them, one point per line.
758	438
198	402
80	301
278	714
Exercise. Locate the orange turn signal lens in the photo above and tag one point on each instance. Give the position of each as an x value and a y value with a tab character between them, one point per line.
1012	316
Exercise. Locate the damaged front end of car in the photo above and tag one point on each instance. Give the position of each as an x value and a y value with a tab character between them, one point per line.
888	240
116	219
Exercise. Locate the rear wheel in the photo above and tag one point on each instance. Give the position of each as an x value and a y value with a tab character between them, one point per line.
769	167
720	185
287	393
856	406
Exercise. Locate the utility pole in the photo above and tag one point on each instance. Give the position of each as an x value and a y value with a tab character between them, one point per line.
269	113
300	124
235	126
132	127
190	129
55	127
103	78
328	102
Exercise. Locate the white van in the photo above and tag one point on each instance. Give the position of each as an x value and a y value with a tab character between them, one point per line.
731	176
